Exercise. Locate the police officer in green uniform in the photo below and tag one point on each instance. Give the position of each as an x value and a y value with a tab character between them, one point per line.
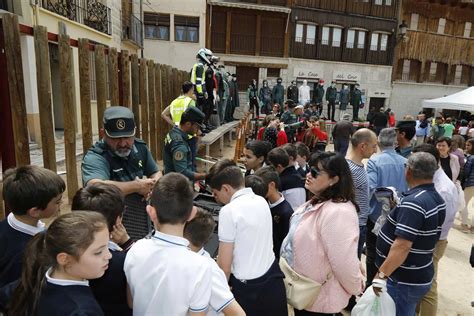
122	160
177	156
290	119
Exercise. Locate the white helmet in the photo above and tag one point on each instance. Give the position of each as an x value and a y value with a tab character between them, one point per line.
205	55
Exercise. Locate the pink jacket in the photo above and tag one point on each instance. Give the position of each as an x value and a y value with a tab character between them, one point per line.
325	242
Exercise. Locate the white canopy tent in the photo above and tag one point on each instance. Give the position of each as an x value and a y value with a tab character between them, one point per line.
461	101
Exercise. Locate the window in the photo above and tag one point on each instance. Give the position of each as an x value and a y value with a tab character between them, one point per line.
374	41
273	72
310	34
186	29
414	21
336	37
157	26
325	36
383	42
388	2
458	75
299	33
378	2
350	38
361	40
406	70
441	25
467	29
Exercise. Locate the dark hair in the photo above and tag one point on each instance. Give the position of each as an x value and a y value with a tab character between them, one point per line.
71	233
427	148
302	150
408	130
30	186
335	165
187	85
257	185
290	150
444	139
172	197
199	230
457	141
267	119
225	171
278	156
259	148
106	199
268	174
471	141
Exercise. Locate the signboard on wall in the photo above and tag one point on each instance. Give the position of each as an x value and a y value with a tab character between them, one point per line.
310	73
346	76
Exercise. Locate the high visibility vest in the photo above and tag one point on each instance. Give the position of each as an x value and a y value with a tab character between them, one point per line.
198	78
178	106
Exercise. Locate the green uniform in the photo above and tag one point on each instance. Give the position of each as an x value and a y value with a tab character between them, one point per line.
101	163
289	118
177	156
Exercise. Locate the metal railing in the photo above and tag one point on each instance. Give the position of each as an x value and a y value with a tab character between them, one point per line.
88	12
133	30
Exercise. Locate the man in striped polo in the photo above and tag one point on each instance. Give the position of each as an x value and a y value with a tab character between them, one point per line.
406	242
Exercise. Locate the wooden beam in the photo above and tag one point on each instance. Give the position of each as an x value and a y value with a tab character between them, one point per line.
113	77
258	65
152	107
164	95
136	94
258	35
43	79
144	100
100	84
125	75
228	31
85	89
67	89
16	86
159	108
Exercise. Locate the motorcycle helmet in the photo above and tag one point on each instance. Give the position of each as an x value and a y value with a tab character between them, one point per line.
205	55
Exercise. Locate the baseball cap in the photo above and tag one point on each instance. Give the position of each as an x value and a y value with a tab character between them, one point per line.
119	122
193	115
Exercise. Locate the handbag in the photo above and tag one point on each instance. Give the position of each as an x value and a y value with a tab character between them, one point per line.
301	292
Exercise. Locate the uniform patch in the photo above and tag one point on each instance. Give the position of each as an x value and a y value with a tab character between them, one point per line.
120	124
179	155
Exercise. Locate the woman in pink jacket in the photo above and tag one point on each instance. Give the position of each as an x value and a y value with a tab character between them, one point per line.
322	240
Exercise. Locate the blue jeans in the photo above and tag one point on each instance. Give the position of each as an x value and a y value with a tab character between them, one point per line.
362	234
406	296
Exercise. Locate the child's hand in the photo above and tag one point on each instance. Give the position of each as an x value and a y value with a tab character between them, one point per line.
119	234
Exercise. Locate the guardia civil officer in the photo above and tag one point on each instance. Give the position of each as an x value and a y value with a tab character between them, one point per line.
177	156
123	160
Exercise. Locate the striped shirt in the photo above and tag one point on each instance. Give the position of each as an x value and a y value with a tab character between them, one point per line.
418	218
361	187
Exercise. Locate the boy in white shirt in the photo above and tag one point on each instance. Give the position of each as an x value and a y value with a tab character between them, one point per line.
246	243
198	231
164	276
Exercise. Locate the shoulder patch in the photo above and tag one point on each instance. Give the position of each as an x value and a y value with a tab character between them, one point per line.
178	155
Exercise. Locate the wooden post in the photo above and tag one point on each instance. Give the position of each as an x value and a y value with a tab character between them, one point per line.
228	30
67	86
113	77
125	75
164	94
43	79
258	35
100	83
144	100
152	107
159	108
175	85
16	86
85	88
136	94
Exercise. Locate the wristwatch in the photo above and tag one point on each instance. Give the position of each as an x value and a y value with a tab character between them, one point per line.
381	275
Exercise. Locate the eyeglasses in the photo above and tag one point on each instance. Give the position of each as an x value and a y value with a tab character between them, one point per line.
314	172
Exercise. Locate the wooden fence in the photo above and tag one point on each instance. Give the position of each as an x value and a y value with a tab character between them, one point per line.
144	86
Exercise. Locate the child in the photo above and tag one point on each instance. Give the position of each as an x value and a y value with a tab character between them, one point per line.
110	290
32	193
255	153
59	262
245	243
279	207
198	231
164	276
257	185
302	156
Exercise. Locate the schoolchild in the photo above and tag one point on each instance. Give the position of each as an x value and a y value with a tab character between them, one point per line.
279	207
31	193
257	185
245	243
110	290
255	153
60	261
198	231
164	276
302	157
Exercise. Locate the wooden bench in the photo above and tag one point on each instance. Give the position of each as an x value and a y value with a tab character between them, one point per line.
218	134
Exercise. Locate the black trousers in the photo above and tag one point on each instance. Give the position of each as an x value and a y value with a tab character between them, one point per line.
370	244
265	295
254	104
355	112
331	107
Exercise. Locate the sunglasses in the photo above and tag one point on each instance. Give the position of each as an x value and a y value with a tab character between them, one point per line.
314	172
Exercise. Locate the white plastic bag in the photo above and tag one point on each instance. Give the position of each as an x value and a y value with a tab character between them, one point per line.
373	305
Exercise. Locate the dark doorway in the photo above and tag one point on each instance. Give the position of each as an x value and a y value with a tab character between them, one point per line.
376	103
245	75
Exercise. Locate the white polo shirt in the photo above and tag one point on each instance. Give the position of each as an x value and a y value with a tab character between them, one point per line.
166	278
247	222
221	296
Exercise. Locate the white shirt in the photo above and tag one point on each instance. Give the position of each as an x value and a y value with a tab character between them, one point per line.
64	282
166	277
221	296
247	223
447	189
24	228
303	94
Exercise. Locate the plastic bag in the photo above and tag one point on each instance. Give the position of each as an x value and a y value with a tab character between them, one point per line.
373	305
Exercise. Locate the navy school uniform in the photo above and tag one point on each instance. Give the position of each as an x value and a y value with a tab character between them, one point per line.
281	214
110	290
